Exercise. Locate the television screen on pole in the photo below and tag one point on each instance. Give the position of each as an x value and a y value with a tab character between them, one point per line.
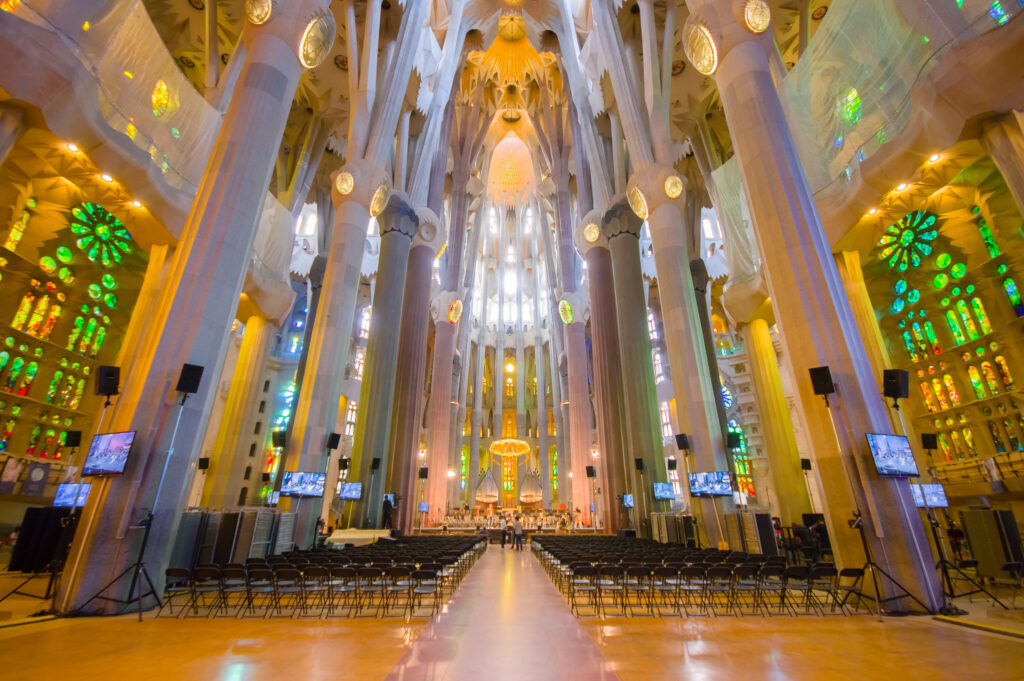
294	484
108	453
892	455
663	490
627	501
71	494
351	491
424	507
929	496
714	484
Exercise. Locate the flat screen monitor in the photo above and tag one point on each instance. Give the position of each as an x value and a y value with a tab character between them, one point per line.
664	490
274	498
627	500
391	498
714	484
351	491
295	484
424	507
68	493
892	455
108	453
929	496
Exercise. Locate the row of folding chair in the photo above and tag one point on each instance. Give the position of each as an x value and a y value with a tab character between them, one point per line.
711	590
317	591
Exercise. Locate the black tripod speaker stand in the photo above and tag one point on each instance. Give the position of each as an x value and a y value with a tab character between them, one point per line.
138	572
944	566
857	523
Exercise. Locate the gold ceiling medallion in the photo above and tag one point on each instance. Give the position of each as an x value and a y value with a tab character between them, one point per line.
511	28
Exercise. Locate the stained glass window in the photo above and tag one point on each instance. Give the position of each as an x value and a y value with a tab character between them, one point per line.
958	445
954	396
1004	371
940	394
1011	434
976	382
100	235
954	327
990	241
17	231
997	439
979	311
908	342
947	453
933	341
929	399
727	398
969	441
904	242
965	317
1010	286
990	377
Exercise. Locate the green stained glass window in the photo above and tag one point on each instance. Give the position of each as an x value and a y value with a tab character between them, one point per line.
940	280
904	243
911	347
48	264
944	302
990	241
933	341
979	311
954	327
897	305
968	321
958	270
942	260
95	292
1010	287
900	287
66	274
108	281
64	254
913	296
976	383
1001	269
101	236
110	300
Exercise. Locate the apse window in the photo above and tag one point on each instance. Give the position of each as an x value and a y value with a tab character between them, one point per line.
652	324
364	322
666	421
350	419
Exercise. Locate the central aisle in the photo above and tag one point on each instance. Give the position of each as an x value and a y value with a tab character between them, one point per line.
507	622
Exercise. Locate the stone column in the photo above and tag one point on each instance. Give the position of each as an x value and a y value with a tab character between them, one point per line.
231	447
410	373
622	229
359	191
814	315
607	370
370	445
194	319
848	263
776	423
579	409
439	407
1004	142
656	194
476	417
539	362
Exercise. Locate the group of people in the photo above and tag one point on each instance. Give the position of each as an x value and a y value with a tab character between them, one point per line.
513	531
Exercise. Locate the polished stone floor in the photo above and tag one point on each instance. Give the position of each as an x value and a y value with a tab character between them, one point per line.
507	622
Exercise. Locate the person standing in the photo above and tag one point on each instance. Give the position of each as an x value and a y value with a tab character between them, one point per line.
517	534
504	533
385	514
